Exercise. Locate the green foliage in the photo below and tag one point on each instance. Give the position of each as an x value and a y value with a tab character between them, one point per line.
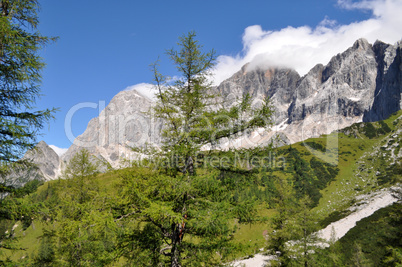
282	228
369	130
186	107
384	127
20	78
197	207
308	177
373	235
46	253
314	145
80	172
86	235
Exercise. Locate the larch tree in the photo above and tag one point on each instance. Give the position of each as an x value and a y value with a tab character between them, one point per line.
20	80
179	198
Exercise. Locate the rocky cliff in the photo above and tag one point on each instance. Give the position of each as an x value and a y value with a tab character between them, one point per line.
44	165
124	123
361	84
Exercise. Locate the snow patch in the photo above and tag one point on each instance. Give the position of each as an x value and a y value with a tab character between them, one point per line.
281	126
354	99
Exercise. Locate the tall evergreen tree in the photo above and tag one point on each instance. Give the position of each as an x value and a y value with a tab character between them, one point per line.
282	233
191	115
85	236
20	78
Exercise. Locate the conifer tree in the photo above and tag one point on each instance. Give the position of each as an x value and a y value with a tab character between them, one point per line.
177	197
20	77
281	223
85	236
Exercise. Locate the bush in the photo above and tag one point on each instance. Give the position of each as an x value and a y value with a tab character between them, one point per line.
369	130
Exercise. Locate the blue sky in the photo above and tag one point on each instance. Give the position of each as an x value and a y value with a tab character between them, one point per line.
107	46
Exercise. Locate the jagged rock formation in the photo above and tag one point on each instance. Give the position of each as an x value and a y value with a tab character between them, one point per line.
124	123
388	91
45	166
46	159
361	84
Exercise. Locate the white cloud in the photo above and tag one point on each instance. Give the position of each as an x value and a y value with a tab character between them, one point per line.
144	89
302	48
59	151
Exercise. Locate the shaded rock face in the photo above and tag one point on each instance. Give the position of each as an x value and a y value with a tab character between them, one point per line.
362	83
277	84
388	90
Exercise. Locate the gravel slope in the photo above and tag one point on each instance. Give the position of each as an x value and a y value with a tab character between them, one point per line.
367	205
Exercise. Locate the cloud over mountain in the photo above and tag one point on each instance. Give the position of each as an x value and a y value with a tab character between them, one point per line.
303	47
59	151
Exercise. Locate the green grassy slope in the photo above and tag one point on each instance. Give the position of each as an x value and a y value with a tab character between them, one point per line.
367	157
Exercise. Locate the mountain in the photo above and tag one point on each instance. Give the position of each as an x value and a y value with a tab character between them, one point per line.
124	123
364	83
361	84
46	165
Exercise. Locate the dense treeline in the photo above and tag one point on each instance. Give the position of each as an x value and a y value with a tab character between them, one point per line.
119	218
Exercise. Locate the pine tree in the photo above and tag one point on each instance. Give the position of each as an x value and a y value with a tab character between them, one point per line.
85	235
192	118
305	227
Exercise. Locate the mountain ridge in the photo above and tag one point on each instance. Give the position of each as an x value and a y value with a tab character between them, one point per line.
354	86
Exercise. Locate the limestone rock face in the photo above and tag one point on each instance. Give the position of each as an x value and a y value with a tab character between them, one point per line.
124	123
277	84
335	96
364	83
388	90
46	159
47	164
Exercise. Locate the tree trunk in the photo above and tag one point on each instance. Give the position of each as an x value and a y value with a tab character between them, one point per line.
189	166
175	252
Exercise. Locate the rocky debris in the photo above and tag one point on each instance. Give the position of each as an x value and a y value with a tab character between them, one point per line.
367	205
258	260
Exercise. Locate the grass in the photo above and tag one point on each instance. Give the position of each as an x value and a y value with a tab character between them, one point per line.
254	235
356	158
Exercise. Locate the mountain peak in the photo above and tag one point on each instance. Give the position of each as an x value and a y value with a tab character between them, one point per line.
362	43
